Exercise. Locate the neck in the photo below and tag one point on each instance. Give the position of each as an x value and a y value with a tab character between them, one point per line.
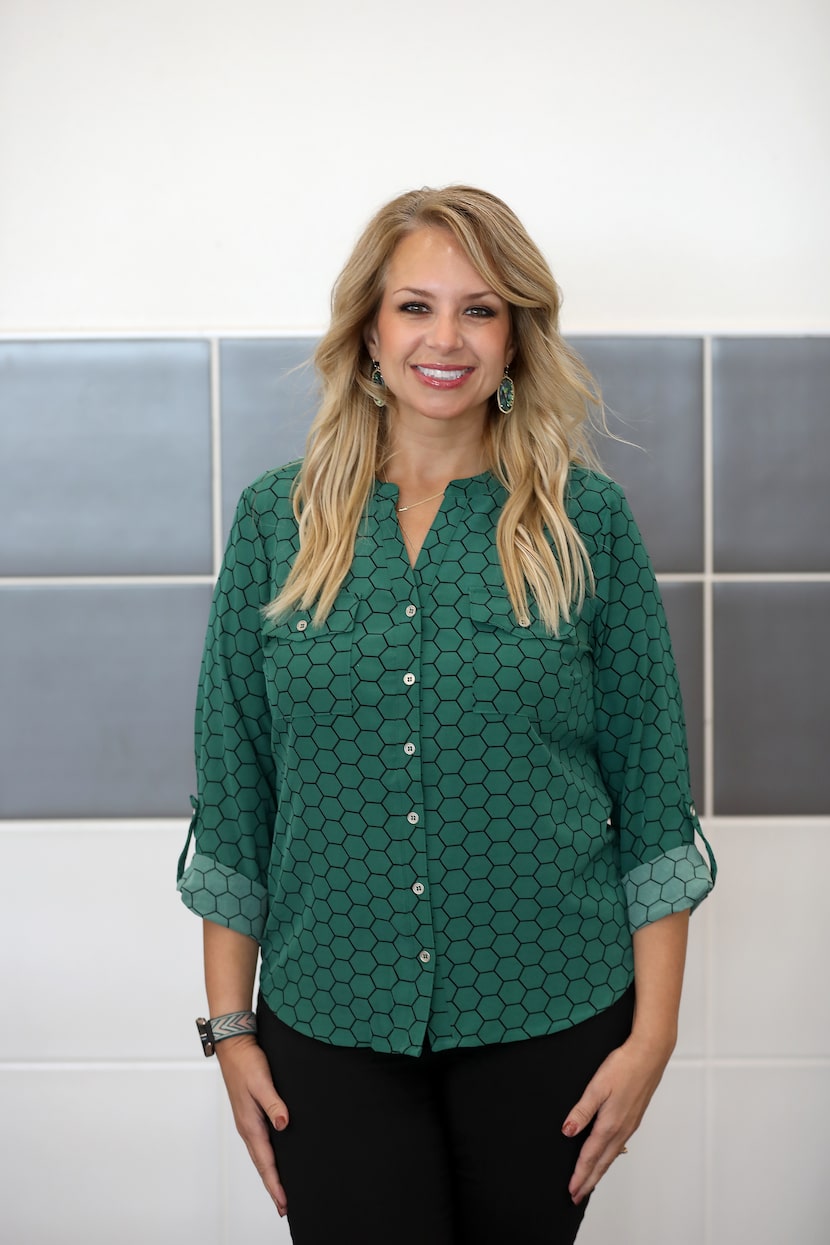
428	462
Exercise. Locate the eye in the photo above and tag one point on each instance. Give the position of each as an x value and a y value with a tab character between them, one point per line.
484	313
414	308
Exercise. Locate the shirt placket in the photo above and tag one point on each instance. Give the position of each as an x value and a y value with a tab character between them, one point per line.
401	735
406	781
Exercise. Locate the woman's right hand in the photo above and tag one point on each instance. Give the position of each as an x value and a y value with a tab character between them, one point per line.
253	1097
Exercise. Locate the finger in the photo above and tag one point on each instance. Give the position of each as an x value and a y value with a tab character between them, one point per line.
274	1107
596	1156
580	1115
259	1147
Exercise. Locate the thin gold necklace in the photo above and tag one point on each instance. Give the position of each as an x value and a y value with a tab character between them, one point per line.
408	540
413	504
422	502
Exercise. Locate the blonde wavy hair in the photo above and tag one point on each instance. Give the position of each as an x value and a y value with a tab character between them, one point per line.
529	451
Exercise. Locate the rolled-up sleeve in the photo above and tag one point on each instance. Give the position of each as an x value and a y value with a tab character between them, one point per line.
640	730
233	814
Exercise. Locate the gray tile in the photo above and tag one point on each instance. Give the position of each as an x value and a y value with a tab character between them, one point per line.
653	389
771	407
772	689
684	610
97	687
105	458
268	401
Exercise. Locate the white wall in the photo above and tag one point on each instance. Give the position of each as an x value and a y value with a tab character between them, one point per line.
188	165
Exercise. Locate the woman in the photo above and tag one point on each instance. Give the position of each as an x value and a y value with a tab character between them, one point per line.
443	778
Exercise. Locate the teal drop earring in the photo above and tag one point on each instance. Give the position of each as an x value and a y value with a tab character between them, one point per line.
377	379
506	392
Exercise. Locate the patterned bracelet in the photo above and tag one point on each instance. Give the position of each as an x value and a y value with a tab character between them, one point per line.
220	1027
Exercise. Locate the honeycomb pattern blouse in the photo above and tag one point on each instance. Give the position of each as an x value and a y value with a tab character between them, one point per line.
436	818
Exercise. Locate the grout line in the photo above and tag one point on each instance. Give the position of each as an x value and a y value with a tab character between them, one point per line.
173	580
708	1157
98	825
192	1064
216	453
100	581
225	1141
169	824
708	594
750	1062
189	1065
198	334
745	577
708	1077
276	333
743	821
770	577
708	782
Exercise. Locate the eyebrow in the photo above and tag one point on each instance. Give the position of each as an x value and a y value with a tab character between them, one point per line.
410	289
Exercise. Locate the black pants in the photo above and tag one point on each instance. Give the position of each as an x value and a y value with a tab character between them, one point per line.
462	1147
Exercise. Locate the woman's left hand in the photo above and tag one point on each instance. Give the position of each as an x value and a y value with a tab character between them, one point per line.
615	1098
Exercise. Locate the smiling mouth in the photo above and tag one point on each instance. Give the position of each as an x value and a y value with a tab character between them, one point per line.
443	373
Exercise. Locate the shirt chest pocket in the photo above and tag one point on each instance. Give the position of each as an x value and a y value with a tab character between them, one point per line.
308	669
520	670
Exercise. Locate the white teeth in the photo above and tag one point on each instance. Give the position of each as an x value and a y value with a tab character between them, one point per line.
436	373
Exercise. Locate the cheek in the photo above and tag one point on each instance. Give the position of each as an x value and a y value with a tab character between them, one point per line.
501	351
385	336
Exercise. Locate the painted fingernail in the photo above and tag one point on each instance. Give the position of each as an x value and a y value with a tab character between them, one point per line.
280	1123
569	1129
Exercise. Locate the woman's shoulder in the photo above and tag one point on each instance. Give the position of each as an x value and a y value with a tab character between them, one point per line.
591	492
272	490
265	507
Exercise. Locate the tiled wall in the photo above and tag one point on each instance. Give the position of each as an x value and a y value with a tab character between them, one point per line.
120	464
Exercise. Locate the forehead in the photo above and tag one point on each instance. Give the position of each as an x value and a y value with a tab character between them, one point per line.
431	253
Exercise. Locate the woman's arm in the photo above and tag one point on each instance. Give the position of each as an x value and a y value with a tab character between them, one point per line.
621	1089
230	968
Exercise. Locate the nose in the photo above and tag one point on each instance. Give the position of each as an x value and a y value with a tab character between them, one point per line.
444	331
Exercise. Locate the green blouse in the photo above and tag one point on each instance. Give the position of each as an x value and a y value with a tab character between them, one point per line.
435	818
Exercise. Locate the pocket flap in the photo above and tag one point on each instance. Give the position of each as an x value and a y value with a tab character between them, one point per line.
299	624
490	608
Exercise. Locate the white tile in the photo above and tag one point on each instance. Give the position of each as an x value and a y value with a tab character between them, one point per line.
770	1145
654	1194
99	958
92	1157
691	1033
771	927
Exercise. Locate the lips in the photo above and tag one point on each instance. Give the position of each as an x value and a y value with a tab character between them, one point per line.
443	373
442	377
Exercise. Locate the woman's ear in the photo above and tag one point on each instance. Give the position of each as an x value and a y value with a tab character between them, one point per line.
510	353
371	340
